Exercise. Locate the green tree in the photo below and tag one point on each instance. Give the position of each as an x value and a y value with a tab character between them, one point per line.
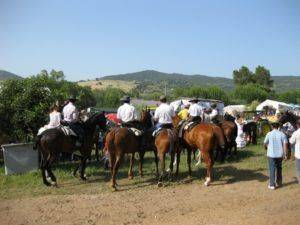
262	77
243	76
108	98
251	92
292	96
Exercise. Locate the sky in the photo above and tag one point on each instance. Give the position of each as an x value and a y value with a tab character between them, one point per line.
88	39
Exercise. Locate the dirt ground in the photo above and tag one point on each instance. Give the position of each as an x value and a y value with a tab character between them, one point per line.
224	202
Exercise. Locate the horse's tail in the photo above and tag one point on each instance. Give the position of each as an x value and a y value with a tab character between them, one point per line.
37	142
171	137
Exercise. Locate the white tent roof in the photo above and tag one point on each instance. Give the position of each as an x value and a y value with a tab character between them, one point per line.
271	103
230	108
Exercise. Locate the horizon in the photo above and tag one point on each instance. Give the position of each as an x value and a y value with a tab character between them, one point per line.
99	38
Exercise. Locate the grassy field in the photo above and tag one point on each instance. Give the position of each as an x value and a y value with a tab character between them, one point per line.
103	84
251	164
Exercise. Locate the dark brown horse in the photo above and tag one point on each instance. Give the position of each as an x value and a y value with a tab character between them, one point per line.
201	137
54	141
120	141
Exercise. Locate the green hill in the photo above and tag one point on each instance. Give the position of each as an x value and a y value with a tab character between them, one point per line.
151	80
4	75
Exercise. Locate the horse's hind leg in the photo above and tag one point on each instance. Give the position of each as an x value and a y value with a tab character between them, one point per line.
141	162
177	161
43	170
130	172
115	170
209	164
156	162
161	157
189	160
49	170
83	166
171	165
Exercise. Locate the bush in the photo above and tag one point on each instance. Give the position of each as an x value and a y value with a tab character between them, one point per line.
108	98
292	96
24	103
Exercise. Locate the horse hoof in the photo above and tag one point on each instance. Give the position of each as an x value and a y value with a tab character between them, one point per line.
159	184
47	184
83	178
54	184
130	177
207	181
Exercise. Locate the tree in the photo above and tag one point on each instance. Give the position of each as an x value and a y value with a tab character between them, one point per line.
108	98
24	103
262	77
242	76
251	92
292	96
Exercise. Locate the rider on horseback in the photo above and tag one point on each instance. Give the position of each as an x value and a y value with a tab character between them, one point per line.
71	117
195	111
127	113
164	114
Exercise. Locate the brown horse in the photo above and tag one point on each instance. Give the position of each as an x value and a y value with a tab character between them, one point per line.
120	141
230	132
53	141
201	137
166	141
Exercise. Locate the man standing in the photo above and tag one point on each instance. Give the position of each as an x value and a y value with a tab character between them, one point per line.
127	113
195	111
295	140
276	145
164	114
213	116
70	114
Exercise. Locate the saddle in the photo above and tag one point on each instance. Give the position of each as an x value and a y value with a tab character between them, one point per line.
185	125
157	131
65	129
135	131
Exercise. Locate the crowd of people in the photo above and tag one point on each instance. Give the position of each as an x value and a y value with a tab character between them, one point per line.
276	142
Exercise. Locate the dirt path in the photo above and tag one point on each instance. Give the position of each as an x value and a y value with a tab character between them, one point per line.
247	202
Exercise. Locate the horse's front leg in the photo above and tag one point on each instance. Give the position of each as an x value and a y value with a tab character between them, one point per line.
83	166
209	164
161	157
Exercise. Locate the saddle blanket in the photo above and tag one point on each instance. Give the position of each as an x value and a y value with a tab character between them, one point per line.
157	131
65	129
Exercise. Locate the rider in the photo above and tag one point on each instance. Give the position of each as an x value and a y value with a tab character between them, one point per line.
195	111
214	113
164	114
70	114
183	114
127	113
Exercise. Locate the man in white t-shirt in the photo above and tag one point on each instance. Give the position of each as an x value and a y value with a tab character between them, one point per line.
127	113
164	114
295	140
195	111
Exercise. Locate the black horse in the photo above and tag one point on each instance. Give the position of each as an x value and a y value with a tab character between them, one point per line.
289	117
250	129
54	141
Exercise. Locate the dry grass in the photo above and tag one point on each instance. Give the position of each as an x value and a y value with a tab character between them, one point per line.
104	84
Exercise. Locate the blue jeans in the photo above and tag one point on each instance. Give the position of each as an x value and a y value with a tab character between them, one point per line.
275	168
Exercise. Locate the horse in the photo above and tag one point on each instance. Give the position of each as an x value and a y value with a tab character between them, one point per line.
230	131
54	141
201	137
166	141
122	140
289	117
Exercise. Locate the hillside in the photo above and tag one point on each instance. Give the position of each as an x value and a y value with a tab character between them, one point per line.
8	75
153	80
103	84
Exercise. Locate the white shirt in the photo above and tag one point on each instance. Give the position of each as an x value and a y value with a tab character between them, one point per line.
195	110
70	113
213	114
126	113
295	140
164	113
54	119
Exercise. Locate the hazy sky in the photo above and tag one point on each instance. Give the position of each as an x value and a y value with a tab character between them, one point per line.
87	39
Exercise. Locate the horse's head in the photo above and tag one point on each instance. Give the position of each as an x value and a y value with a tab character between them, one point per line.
97	119
146	118
285	117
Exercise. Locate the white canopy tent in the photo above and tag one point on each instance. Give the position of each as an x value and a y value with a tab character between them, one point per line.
238	108
273	104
